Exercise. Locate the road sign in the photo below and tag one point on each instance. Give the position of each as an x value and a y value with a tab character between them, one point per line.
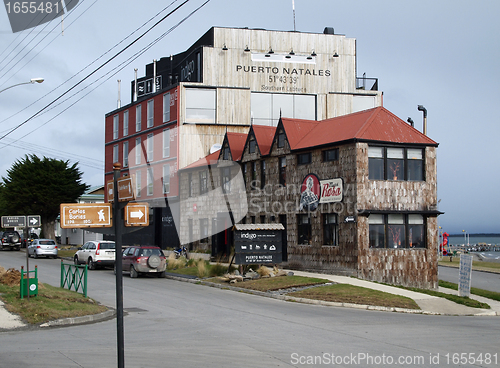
34	221
13	221
125	189
74	215
137	214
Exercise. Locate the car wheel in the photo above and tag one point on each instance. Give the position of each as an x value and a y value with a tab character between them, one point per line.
133	272
154	261
35	254
91	264
75	260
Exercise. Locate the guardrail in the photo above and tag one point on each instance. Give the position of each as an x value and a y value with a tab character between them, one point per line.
74	276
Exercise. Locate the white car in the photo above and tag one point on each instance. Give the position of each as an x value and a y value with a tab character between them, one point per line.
42	247
96	254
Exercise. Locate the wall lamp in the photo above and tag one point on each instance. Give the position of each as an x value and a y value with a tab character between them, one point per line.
247	49
335	54
224	48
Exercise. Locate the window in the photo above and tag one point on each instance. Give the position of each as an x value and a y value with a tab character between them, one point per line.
392	163
245	174
190	185
281	139
125	123
115	153
225	153
150	147
166	143
415	164
138	184
150	179
200	105
262	174
138	151
331	155
304	158
151	113
267	108
330	229
251	145
125	154
138	112
254	174
116	126
282	170
226	179
304	230
166	179
396	231
203	181
204	230
166	107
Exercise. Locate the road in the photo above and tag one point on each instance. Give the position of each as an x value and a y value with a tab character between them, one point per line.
482	280
177	324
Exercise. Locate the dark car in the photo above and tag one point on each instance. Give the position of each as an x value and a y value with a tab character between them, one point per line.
144	259
11	240
27	242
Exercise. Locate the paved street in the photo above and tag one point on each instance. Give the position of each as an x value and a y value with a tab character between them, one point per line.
177	324
482	280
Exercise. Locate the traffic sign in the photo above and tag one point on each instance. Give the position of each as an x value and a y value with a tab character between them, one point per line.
125	189
34	221
74	215
137	214
13	221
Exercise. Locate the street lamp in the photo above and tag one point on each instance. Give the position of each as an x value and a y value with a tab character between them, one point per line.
465	238
32	80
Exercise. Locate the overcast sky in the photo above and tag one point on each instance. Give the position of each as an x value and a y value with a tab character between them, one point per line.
441	54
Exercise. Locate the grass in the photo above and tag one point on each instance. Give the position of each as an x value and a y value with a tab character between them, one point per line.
66	253
344	293
281	282
51	303
476	291
476	265
199	268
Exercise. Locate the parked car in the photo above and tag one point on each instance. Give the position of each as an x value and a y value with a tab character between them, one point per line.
10	240
144	259
28	241
42	247
96	253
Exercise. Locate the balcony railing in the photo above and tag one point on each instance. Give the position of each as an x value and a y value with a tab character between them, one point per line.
367	84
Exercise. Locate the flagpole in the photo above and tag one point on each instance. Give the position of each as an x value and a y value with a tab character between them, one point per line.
293	7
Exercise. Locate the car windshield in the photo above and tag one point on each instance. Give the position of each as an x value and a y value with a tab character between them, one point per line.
151	251
47	242
107	246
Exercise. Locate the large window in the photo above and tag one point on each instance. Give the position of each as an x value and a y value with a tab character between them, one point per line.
330	229
304	230
282	170
268	107
125	154
200	105
138	151
166	179
226	179
395	163
262	174
115	153
138	184
304	158
150	179
203	181
150	147
331	155
166	143
204	230
116	126
151	113
396	231
125	123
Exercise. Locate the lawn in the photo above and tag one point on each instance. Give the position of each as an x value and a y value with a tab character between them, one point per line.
481	292
476	265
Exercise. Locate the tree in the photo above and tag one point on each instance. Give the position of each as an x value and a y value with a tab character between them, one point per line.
35	186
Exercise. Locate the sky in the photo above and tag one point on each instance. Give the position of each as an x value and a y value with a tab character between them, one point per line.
440	54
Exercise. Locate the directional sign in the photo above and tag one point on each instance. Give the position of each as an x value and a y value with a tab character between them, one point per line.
125	189
34	221
137	214
74	215
13	221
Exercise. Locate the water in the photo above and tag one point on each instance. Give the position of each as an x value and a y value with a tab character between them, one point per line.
474	239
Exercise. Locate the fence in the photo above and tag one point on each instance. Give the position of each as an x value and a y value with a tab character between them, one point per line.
74	276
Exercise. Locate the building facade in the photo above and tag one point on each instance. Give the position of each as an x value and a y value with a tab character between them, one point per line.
357	194
227	81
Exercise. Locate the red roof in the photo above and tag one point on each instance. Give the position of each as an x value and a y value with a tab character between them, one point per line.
377	124
264	136
211	159
236	144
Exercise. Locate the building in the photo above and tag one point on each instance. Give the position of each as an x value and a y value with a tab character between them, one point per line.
227	81
357	195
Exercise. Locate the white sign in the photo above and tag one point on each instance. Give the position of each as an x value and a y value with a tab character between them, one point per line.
465	275
332	190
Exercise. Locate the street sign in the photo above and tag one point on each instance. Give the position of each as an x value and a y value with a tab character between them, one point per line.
137	214
125	189
34	221
74	215
13	221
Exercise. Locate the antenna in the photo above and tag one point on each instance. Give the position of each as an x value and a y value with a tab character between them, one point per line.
293	7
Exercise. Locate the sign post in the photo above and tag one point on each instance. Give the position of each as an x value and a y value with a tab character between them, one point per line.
465	275
77	215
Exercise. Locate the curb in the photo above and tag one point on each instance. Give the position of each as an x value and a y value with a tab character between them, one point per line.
80	320
321	302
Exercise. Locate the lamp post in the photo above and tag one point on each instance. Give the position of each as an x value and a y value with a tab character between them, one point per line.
32	80
465	237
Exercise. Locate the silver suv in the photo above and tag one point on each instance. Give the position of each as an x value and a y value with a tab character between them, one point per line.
96	254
